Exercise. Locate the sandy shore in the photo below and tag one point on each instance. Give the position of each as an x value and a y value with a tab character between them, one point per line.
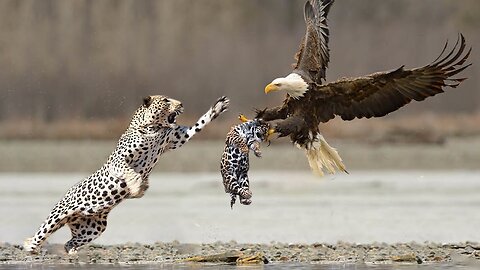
175	252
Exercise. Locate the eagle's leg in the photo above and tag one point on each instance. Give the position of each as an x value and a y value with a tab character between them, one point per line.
270	114
293	126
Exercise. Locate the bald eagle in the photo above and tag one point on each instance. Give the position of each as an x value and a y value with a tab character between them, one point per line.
310	102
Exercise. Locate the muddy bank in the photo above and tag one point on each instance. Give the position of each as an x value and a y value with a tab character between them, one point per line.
175	252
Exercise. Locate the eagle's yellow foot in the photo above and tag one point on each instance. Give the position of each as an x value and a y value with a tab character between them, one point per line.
269	133
243	118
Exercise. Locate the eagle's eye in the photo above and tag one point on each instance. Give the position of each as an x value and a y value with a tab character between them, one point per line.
278	84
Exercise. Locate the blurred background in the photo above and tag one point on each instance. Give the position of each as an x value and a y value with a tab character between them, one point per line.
73	72
78	69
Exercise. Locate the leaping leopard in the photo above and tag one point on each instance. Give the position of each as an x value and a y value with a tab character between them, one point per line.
152	132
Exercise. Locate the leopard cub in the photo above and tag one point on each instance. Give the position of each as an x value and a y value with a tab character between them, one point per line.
234	164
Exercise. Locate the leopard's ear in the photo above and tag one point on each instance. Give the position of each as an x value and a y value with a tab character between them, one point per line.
147	101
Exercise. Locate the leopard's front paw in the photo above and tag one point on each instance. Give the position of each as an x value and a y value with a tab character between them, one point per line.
219	107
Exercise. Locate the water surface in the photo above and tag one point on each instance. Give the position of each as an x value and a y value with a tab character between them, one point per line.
291	207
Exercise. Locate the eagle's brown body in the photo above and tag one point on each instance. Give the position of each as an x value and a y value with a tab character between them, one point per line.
310	102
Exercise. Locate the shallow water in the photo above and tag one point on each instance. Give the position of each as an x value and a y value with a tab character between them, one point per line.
363	207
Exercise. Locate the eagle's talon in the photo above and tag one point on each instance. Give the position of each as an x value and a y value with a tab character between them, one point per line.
270	132
260	113
243	118
281	131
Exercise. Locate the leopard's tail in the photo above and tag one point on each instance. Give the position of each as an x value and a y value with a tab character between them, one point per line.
322	157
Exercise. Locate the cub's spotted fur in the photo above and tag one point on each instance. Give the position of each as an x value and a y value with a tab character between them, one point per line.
234	165
152	132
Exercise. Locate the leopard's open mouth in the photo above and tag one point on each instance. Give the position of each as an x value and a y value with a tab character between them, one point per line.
172	118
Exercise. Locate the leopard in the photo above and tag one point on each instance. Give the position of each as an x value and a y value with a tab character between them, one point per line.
152	132
234	163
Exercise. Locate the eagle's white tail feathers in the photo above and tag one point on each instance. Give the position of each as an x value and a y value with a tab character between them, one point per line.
321	156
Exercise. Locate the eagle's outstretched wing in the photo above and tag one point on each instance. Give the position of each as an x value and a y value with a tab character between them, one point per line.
381	93
314	54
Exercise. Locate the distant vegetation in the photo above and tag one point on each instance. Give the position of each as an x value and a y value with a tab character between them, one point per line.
74	69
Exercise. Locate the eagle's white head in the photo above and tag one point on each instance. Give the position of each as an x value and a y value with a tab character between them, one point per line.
293	84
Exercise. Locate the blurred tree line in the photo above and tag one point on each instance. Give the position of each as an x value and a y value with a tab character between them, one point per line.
94	60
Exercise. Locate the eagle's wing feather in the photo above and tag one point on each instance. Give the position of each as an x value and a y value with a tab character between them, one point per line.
381	93
314	55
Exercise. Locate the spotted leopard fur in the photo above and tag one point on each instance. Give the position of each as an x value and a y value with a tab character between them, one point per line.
234	164
152	132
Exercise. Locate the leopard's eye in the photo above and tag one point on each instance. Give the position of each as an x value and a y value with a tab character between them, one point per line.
165	100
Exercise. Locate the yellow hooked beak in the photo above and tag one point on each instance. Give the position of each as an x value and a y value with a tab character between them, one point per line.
242	118
270	87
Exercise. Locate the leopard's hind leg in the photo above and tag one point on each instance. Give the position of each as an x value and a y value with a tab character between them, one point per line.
243	183
56	219
244	190
232	186
84	230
